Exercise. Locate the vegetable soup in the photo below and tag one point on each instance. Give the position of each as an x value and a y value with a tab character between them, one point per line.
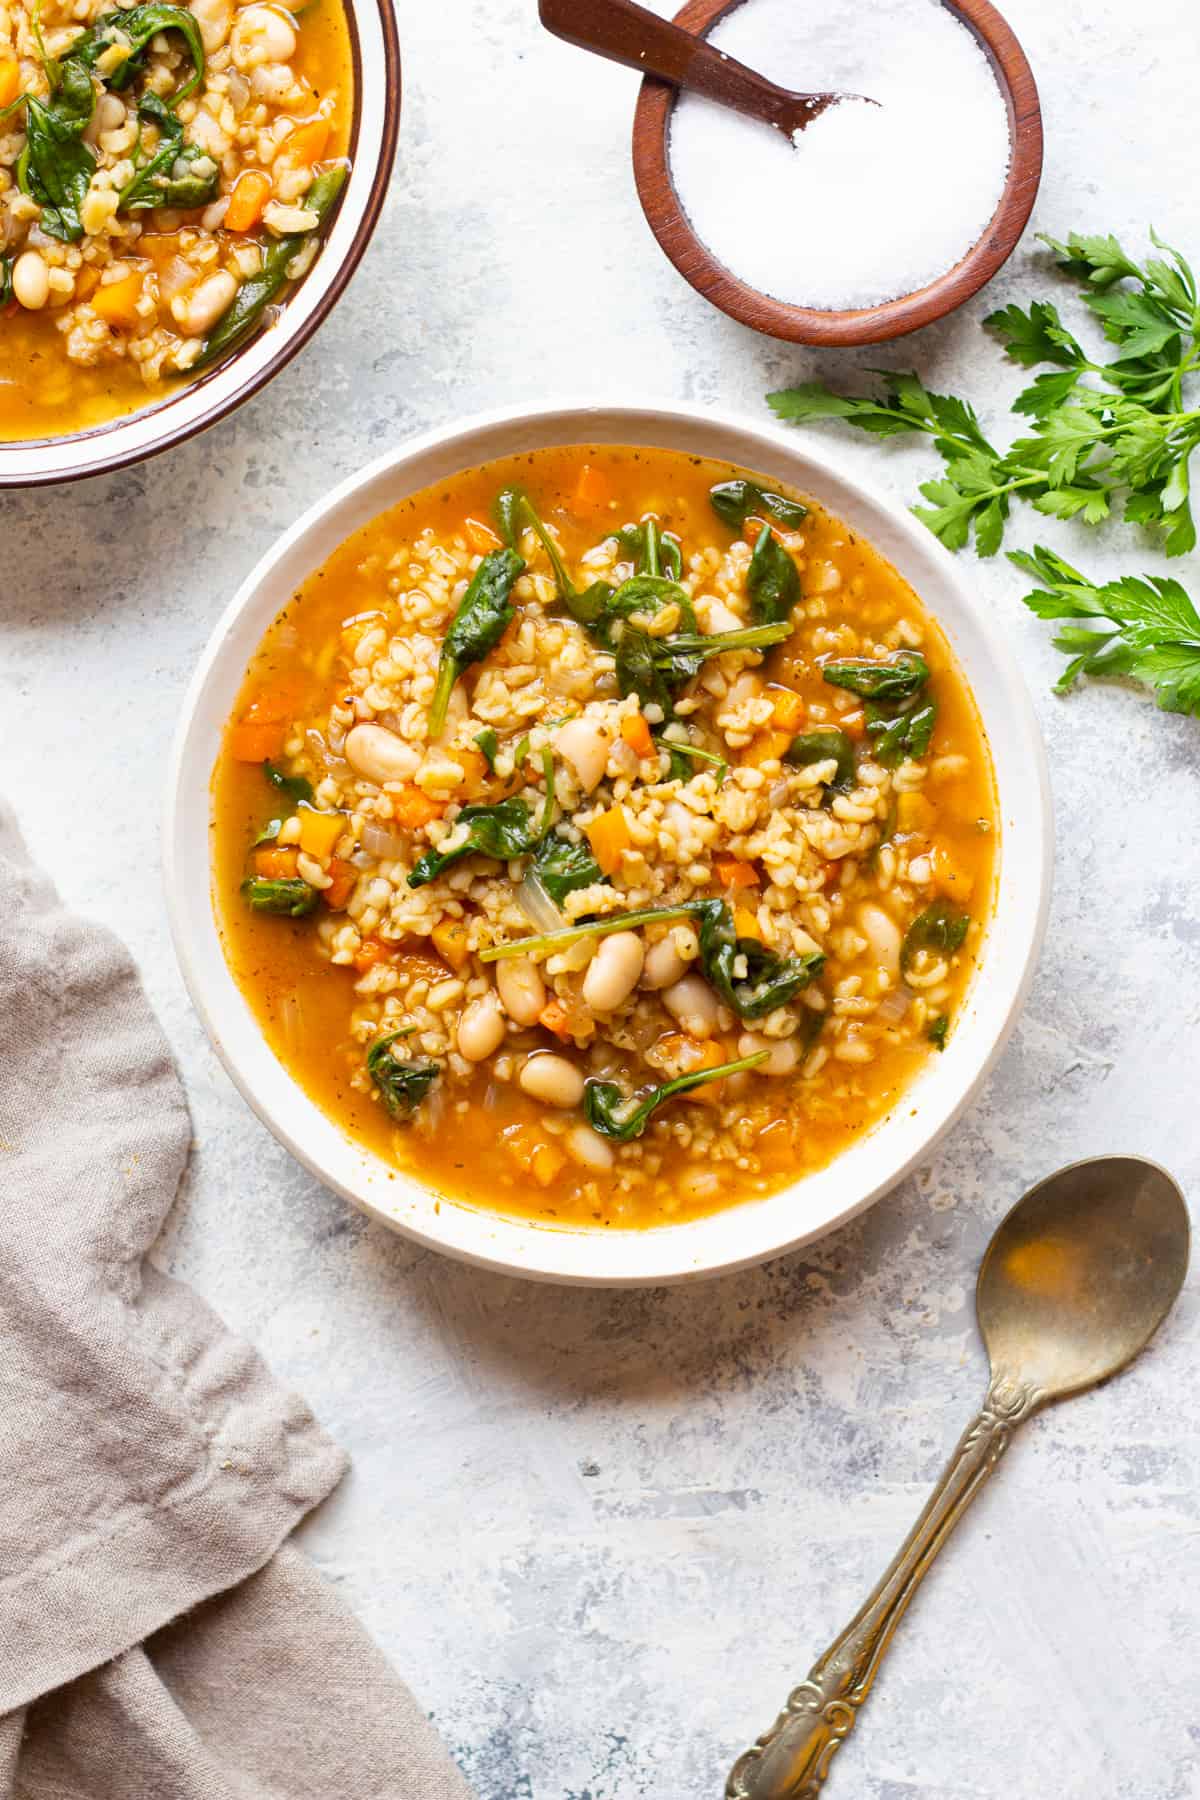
165	173
605	836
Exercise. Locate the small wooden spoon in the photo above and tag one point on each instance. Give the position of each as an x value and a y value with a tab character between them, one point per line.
627	33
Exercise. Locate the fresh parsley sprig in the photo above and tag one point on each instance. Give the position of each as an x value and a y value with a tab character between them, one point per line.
1147	629
1104	434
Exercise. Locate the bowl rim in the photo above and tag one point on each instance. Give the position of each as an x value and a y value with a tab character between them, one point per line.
193	406
705	272
753	1231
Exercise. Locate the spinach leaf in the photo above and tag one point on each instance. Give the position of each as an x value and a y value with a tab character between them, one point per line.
941	927
256	293
563	867
514	512
484	613
737	501
905	735
503	831
937	1030
402	1085
646	594
293	787
771	580
293	898
616	1115
638	672
132	29
488	744
56	167
770	980
175	174
901	677
825	745
653	552
574	934
682	755
6	268
681	655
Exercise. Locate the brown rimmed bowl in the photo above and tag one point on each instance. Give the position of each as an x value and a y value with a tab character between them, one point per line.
187	408
866	325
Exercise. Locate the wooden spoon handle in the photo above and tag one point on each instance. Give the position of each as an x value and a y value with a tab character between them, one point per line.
626	33
791	1760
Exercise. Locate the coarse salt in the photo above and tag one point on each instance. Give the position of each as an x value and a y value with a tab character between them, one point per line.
871	202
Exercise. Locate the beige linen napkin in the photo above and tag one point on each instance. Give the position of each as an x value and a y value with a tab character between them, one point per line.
156	1642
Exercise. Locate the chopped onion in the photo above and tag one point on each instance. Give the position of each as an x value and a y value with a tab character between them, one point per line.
894	1005
176	276
537	905
777	795
381	843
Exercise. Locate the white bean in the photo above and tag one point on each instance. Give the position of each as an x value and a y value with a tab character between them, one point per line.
613	971
589	1148
694	1004
883	935
481	1029
585	744
261	34
522	990
200	308
663	966
552	1079
379	755
783	1052
213	18
31	281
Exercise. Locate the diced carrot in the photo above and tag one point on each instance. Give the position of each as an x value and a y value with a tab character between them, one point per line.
830	874
774	1147
708	1055
480	537
343	878
537	1155
116	302
370	952
10	79
732	872
276	864
450	938
555	1018
591	489
412	808
319	832
746	924
950	876
305	145
636	733
768	746
788	708
268	708
610	836
253	741
854	724
474	767
251	191
86	282
914	812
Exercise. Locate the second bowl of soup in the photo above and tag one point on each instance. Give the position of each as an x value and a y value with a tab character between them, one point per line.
607	854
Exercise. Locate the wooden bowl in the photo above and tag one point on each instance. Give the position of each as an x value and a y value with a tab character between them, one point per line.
865	325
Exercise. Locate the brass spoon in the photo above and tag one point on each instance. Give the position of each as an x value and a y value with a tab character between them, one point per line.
1074	1284
629	34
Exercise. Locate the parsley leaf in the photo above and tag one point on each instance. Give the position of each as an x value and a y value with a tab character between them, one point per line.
1146	629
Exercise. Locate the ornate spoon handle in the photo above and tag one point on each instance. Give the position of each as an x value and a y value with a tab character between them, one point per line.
791	1760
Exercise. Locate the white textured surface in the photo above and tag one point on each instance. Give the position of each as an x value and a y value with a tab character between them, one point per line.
601	1535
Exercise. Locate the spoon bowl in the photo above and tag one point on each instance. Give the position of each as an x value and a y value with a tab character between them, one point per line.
1075	1282
1081	1274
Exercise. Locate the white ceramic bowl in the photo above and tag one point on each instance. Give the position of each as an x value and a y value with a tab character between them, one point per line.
189	408
746	1234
